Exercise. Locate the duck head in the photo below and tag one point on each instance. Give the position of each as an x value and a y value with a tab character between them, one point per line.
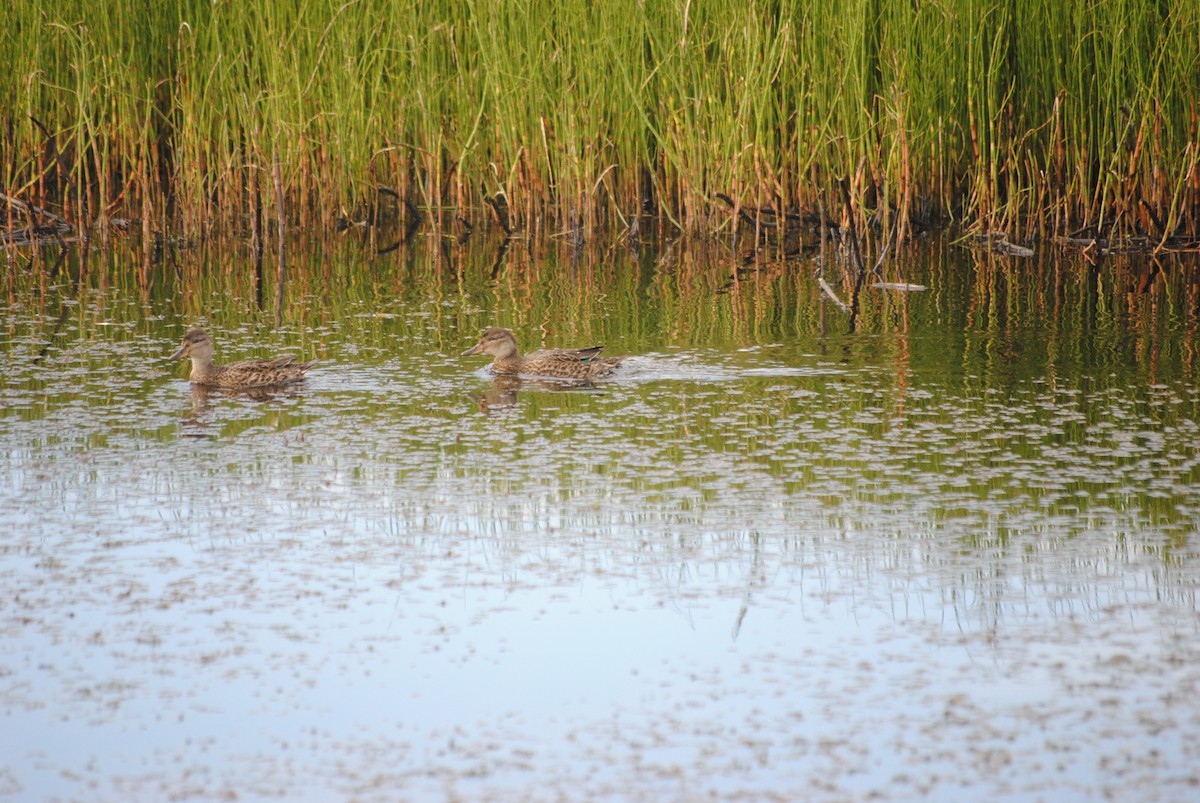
497	342
196	344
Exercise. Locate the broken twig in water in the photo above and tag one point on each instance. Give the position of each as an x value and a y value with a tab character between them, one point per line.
902	286
832	295
998	242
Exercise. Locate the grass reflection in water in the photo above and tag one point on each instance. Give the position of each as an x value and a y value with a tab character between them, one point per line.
767	550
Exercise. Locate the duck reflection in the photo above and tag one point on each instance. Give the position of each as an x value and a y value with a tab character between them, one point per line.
501	397
503	394
203	397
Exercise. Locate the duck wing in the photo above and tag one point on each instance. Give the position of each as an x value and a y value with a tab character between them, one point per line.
583	355
263	373
273	364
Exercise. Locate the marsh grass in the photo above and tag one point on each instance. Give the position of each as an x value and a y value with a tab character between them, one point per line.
1036	118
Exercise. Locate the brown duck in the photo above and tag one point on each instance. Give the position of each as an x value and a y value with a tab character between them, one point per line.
248	374
561	363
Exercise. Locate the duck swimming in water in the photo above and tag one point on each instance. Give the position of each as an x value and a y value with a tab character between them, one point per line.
562	363
198	346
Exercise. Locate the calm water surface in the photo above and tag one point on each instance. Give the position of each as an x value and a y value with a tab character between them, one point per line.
951	555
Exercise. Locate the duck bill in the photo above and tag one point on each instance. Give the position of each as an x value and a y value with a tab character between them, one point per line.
473	350
178	353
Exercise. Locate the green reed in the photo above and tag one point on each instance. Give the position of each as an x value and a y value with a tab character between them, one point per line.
1035	117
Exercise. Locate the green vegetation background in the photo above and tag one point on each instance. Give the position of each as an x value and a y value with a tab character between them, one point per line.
1044	114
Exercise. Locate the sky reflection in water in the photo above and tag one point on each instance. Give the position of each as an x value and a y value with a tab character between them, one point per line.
757	570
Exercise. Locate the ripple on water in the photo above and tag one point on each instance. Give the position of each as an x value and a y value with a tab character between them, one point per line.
742	574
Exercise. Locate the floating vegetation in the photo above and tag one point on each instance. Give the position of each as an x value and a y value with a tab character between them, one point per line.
549	118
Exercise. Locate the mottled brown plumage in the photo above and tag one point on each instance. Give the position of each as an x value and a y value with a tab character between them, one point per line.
562	363
248	374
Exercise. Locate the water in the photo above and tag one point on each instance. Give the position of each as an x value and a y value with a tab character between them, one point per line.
949	555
